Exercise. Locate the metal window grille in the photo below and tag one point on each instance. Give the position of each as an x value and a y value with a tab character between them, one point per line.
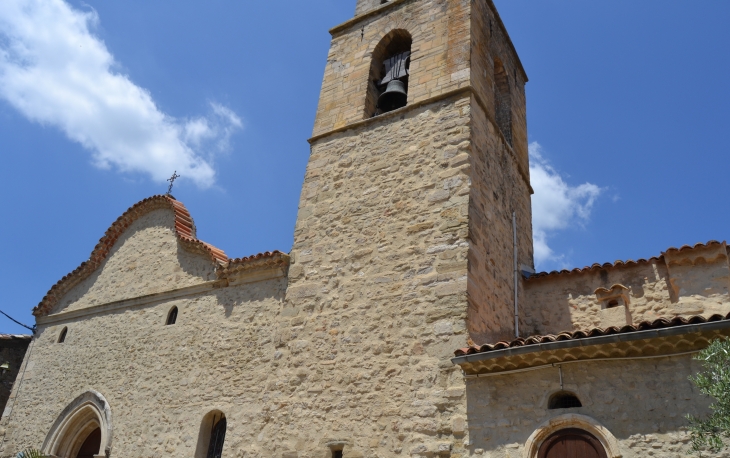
217	437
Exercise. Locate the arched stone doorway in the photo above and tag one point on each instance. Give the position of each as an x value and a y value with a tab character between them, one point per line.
83	430
590	431
572	443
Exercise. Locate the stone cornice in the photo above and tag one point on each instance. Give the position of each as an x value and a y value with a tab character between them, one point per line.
243	272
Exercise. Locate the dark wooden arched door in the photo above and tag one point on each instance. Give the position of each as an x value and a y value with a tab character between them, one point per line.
91	445
572	443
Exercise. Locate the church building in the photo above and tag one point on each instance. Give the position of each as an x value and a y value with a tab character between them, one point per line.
407	320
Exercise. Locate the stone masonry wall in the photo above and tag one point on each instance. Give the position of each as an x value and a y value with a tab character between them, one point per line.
363	6
642	403
161	380
498	190
566	302
490	41
378	279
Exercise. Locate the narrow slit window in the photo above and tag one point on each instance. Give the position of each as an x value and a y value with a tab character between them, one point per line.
502	100
172	317
62	336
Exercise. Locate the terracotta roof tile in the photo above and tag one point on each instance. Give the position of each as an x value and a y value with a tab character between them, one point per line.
16	337
257	261
627	263
595	332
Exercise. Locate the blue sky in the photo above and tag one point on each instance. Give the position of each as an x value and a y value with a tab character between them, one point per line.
627	106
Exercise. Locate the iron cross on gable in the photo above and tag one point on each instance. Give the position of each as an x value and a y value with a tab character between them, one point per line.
172	179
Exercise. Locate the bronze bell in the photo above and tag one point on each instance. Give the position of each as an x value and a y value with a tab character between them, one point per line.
394	97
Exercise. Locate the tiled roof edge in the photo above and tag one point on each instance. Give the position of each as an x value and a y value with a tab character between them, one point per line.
184	230
595	332
15	337
269	259
628	263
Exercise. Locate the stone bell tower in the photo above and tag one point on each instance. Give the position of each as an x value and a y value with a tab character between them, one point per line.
403	247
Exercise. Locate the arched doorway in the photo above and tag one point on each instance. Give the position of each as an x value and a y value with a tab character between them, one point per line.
572	443
83	430
92	444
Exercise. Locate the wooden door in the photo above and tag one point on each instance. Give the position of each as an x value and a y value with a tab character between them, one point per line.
572	443
91	445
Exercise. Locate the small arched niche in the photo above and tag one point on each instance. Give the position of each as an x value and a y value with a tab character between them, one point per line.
62	335
212	435
502	100
564	400
171	316
83	430
389	74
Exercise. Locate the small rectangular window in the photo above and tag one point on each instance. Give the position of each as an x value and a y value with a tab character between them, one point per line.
336	453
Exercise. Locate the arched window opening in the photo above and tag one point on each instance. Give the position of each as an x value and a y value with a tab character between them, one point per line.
92	444
62	336
172	316
572	442
564	400
389	74
502	100
212	435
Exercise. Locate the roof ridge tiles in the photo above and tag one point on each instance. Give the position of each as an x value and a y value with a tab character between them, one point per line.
620	263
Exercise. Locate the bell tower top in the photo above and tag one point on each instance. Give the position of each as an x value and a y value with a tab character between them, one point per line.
367	5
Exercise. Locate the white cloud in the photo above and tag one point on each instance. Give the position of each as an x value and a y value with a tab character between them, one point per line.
555	205
56	72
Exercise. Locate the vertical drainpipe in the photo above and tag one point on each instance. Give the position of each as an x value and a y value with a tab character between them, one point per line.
514	243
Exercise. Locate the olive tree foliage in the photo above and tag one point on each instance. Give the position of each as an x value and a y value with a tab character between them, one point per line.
713	380
31	453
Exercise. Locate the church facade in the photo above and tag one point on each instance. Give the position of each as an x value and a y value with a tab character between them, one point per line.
405	321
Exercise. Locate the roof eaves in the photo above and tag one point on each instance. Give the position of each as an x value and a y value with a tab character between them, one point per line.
657	329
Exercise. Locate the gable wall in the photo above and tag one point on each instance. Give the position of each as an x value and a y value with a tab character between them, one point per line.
146	259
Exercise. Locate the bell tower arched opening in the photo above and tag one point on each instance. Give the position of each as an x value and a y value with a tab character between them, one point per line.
389	72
